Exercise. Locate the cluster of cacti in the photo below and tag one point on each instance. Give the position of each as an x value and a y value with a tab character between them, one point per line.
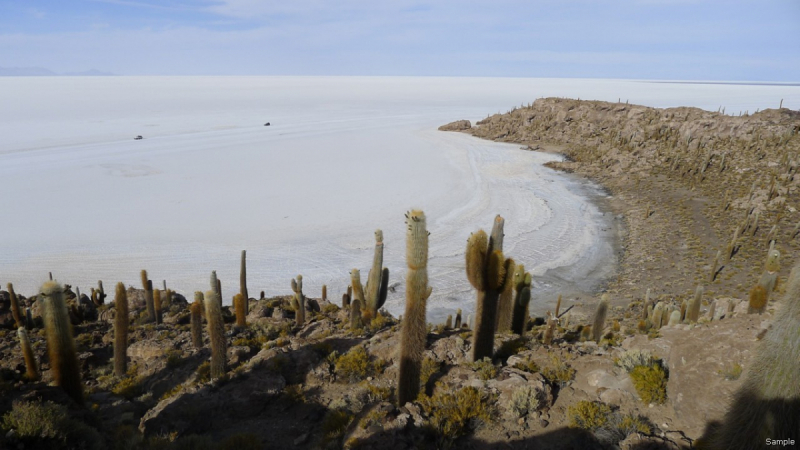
522	299
60	344
346	297
487	271
147	285
121	319
196	319
243	282
299	301
216	332
600	314
414	332
766	405
240	309
15	312
377	281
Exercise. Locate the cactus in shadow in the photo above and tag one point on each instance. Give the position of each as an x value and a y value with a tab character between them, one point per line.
693	311
377	280
355	315
243	281
345	301
240	308
60	344
101	293
505	303
766	404
147	285
646	304
448	324
216	333
15	312
457	323
299	301
487	272
522	299
121	322
157	304
599	322
196	319
414	325
31	368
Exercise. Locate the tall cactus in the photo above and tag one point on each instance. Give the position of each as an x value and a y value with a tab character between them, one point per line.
216	333
600	318
414	325
147	285
31	368
299	301
457	323
358	288
487	272
157	304
693	312
60	344
240	309
324	293
355	316
522	298
505	305
375	280
15	312
196	318
216	286
766	404
243	281
121	321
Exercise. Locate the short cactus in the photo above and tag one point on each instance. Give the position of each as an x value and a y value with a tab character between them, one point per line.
448	324
522	299
693	311
658	315
414	332
240	308
121	322
216	332
600	318
157	305
243	281
674	318
324	292
15	312
196	320
550	331
457	323
31	368
60	344
758	300
299	301
376	281
147	285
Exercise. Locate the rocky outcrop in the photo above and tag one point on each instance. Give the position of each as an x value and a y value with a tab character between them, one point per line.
458	125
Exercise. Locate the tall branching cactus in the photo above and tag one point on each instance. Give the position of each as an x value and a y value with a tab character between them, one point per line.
196	318
487	272
766	405
243	281
147	285
15	312
299	301
121	321
216	333
377	280
414	325
31	368
522	299
60	344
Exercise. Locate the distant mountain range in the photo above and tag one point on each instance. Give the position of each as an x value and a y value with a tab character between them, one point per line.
42	72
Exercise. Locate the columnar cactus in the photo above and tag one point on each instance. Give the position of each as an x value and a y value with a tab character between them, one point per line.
558	305
693	312
550	331
216	333
758	300
243	281
157	304
101	293
646	304
414	325
658	315
522	299
358	288
505	304
196	317
216	286
31	368
147	285
448	324
457	323
355	315
60	344
377	281
674	318
15	312
240	308
299	301
766	404
714	267
487	272
600	318
121	322
324	292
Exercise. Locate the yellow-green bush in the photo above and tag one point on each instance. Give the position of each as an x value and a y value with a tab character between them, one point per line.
354	365
129	387
335	424
48	425
429	367
558	371
486	370
589	415
650	383
450	413
634	424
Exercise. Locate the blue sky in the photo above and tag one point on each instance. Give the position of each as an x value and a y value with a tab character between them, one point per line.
642	39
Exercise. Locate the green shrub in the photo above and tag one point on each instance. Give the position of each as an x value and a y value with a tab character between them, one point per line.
429	368
354	365
589	415
635	357
558	371
634	424
486	370
650	383
129	387
335	424
524	401
48	426
451	414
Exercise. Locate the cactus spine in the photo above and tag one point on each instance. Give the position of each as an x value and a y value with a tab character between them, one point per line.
31	369
600	318
414	332
377	280
243	281
766	404
299	301
60	344
240	307
216	332
147	285
522	299
196	317
486	271
693	311
14	305
121	320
